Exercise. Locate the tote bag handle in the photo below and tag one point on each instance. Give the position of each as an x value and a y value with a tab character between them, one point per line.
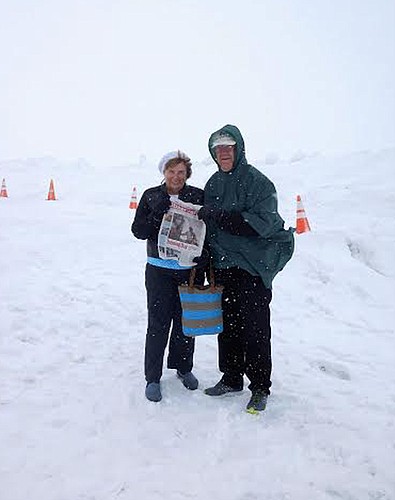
211	278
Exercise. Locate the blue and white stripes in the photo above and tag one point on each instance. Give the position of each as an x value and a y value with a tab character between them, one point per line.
201	310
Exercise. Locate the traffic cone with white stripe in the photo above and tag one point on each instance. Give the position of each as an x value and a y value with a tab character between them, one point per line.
51	192
302	224
3	192
133	199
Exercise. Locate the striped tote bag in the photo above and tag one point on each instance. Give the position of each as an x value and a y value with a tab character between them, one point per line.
201	307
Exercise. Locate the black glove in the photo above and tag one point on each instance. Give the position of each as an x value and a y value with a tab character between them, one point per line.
231	222
203	260
160	205
210	213
234	223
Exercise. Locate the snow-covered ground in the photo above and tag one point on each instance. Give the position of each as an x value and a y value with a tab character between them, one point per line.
74	422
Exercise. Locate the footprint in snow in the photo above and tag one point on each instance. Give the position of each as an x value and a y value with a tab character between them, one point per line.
334	370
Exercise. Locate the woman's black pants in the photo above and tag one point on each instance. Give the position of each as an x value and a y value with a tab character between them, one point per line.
164	311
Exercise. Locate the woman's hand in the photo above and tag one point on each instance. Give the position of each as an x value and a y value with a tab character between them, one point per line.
161	205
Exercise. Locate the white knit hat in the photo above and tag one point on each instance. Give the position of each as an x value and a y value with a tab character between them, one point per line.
171	156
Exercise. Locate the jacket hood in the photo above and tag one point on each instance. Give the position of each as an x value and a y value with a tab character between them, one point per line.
234	132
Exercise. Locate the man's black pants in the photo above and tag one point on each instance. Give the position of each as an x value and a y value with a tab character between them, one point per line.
164	310
244	347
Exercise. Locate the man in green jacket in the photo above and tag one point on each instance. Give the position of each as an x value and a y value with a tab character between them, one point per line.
249	246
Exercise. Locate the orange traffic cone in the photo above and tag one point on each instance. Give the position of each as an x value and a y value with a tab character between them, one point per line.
302	224
3	192
51	192
133	199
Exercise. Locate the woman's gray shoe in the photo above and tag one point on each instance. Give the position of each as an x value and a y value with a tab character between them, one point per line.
257	402
152	392
220	389
189	380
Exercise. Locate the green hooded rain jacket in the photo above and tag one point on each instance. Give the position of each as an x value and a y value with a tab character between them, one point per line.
245	189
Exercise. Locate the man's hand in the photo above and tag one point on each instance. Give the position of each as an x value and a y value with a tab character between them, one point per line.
208	212
231	222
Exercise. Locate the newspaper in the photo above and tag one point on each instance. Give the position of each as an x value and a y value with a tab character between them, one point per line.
181	234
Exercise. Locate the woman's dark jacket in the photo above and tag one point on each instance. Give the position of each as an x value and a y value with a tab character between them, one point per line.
145	226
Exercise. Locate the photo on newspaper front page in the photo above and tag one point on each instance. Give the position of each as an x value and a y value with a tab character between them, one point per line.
181	235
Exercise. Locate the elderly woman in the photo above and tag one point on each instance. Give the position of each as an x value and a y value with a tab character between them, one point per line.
162	277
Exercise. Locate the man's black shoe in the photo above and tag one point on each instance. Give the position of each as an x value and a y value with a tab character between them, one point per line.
258	401
220	389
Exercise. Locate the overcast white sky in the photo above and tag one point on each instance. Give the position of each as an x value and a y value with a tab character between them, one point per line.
110	80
